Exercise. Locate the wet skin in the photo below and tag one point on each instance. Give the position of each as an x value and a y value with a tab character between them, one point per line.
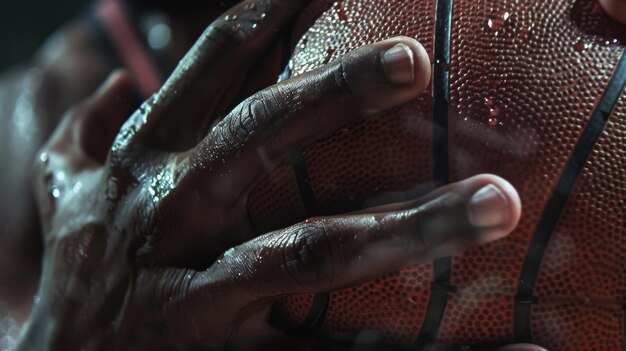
135	230
33	98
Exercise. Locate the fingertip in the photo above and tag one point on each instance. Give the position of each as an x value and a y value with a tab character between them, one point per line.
495	205
422	67
514	202
406	62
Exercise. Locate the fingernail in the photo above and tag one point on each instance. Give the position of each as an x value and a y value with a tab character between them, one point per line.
398	63
488	208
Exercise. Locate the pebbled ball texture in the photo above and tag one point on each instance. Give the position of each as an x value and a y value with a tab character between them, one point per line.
525	78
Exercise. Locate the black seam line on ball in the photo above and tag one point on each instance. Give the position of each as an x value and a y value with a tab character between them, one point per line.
558	199
314	320
441	100
317	313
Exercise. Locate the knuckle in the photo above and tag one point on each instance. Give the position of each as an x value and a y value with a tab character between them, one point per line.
225	34
308	257
253	121
245	121
341	76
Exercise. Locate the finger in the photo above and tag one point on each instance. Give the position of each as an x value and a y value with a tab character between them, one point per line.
82	140
332	253
87	131
335	252
262	130
465	187
214	68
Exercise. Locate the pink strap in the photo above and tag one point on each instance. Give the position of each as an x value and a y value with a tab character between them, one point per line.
129	47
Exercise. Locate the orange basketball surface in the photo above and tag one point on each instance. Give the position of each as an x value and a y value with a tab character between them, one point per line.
530	90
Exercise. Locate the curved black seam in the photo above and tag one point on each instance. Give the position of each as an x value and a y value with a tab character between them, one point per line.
442	267
314	320
557	201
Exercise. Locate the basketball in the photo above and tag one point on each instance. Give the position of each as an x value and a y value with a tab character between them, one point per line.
530	90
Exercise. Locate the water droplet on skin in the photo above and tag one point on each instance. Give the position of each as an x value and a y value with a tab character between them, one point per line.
55	192
235	28
77	187
249	6
44	158
230	18
260	18
581	45
230	253
60	176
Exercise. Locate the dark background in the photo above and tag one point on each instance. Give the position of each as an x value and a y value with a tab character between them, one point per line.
25	24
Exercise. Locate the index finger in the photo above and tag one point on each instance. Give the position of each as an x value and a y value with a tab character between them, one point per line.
211	73
329	253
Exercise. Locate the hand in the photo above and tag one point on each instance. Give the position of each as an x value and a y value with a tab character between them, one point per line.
135	231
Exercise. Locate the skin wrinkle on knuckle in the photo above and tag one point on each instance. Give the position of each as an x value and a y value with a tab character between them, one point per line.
173	289
277	109
307	255
240	127
342	81
256	121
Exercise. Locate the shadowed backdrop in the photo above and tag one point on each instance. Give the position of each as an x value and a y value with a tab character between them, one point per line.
25	24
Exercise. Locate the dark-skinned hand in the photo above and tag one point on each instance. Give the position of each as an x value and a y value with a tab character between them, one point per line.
149	247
